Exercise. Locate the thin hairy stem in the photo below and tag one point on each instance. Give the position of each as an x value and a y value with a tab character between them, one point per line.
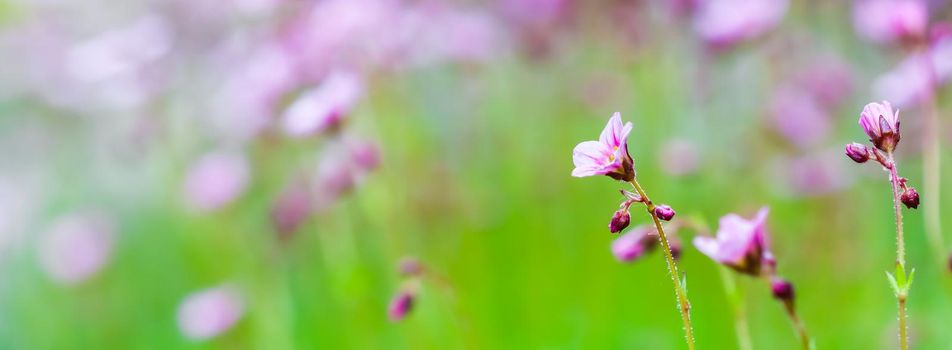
735	296
684	305
900	247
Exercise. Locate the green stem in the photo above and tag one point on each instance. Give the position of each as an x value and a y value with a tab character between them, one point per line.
900	247
683	303
740	315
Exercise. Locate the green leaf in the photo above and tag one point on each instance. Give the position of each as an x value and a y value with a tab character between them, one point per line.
684	283
892	282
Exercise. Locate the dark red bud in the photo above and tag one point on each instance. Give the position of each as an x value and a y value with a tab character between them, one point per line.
857	152
664	212
620	221
782	290
910	197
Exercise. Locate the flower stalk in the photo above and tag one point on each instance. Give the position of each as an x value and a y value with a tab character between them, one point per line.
684	306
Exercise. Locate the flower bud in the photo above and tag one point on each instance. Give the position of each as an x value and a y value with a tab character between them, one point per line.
910	197
782	290
857	152
664	212
400	306
620	220
410	266
881	125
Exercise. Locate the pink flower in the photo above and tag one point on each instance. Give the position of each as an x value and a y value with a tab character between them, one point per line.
400	306
607	156
291	209
881	125
911	80
740	244
76	247
323	107
886	21
635	243
798	117
208	313
216	180
722	23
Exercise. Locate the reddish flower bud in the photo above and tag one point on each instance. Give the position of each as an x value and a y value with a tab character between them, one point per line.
400	306
664	212
620	220
410	266
910	197
782	290
857	152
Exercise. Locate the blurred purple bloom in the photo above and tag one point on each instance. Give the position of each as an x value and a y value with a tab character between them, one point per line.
208	313
798	117
341	167
635	243
910	81
607	156
410	266
292	207
400	306
722	23
245	103
828	79
215	180
815	174
740	244
321	108
886	21
679	157
77	246
881	125
535	12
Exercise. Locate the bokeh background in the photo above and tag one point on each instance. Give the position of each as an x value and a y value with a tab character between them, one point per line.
248	174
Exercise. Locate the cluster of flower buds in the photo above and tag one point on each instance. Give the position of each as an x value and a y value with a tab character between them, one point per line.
411	270
642	240
621	218
882	126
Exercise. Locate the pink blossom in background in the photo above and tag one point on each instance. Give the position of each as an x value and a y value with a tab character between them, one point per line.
815	174
634	243
909	82
215	180
207	313
535	12
76	247
246	101
798	117
828	79
365	154
607	155
885	21
323	107
723	23
679	157
740	243
292	207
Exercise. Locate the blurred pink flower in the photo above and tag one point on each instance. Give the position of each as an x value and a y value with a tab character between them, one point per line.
798	117
535	12
635	243
341	167
722	23
740	244
77	246
208	313
247	100
885	21
292	207
679	157
607	156
400	306
323	107
215	180
881	125
910	81
815	174
828	79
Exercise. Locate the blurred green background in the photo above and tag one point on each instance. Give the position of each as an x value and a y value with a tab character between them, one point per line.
474	181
